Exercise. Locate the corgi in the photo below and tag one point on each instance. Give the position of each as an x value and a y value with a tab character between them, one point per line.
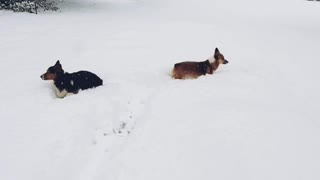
70	82
192	70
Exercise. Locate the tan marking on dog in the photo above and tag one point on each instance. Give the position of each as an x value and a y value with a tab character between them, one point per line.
49	76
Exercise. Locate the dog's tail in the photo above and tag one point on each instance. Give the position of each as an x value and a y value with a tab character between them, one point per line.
174	73
100	82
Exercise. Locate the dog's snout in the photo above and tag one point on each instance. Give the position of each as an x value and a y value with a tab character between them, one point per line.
42	76
225	62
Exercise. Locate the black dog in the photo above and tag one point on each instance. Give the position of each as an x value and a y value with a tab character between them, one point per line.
70	83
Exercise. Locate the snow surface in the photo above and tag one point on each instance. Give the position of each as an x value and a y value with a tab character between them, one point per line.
256	118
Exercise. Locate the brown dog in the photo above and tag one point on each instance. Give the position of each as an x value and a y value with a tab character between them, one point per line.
192	70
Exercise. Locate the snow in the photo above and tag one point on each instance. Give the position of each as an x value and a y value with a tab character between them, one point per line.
255	118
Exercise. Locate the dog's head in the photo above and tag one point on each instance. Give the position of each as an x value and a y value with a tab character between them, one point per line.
52	72
219	57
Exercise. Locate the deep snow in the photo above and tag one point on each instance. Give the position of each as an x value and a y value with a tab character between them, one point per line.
256	118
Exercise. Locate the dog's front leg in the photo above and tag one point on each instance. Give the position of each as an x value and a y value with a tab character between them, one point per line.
61	94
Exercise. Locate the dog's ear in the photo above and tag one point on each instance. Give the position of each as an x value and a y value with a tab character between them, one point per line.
58	66
216	52
57	63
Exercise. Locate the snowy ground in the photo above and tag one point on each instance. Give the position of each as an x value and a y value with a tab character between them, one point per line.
257	118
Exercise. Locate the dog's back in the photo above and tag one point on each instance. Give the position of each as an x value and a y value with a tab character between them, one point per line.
78	81
189	69
86	79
